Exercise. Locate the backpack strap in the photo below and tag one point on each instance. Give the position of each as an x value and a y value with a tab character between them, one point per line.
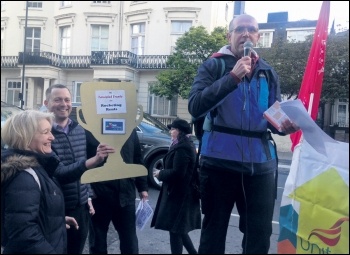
220	64
35	176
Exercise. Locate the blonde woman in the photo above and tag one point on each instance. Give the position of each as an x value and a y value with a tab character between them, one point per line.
32	206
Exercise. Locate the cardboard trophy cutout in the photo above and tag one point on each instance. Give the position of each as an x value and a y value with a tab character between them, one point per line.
110	110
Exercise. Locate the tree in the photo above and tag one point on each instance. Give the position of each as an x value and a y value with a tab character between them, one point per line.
194	47
289	61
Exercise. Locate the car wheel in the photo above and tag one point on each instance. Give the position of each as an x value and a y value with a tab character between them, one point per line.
157	163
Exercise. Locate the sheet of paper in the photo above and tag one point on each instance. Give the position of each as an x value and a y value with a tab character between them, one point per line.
312	133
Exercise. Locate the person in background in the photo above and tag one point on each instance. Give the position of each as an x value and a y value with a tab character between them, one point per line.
71	145
114	201
238	163
178	207
32	204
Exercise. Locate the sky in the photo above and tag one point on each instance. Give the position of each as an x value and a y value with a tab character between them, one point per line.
298	10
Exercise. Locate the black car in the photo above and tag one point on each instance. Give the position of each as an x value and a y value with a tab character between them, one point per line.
155	140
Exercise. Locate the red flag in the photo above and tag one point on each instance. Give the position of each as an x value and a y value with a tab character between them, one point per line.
311	86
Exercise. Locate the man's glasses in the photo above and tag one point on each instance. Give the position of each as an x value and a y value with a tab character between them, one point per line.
240	30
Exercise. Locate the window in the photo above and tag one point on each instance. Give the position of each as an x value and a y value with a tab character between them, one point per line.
65	3
99	37
14	88
33	39
162	106
76	91
178	28
299	35
65	34
138	38
35	4
101	2
342	113
265	40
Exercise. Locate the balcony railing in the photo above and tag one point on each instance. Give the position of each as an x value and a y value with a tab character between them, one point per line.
97	58
9	61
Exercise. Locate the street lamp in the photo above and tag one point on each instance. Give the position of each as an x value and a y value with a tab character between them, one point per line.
22	94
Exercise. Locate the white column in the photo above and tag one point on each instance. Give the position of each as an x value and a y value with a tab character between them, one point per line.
46	86
30	95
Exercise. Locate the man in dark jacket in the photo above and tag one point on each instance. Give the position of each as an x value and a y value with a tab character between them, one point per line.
238	163
71	145
115	201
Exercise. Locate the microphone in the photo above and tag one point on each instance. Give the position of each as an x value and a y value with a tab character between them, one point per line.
247	46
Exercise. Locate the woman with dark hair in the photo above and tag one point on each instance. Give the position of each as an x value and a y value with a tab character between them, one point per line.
178	209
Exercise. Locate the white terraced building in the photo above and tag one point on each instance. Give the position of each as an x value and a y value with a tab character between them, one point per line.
72	42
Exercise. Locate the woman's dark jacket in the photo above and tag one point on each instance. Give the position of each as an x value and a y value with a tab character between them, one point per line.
178	209
123	188
32	218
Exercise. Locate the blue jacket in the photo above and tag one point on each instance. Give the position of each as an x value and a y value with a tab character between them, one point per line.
237	137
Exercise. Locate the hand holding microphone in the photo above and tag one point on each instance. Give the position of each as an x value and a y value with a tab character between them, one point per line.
243	66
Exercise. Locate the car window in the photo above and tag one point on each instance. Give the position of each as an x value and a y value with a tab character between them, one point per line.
152	125
150	128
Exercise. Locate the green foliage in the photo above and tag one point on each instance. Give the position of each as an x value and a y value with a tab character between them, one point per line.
194	47
289	61
336	76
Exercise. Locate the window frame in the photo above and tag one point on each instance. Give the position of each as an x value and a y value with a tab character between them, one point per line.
32	39
175	35
262	41
140	38
64	4
68	40
99	26
76	95
38	3
161	106
17	89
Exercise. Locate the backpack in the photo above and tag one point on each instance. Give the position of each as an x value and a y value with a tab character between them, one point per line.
198	122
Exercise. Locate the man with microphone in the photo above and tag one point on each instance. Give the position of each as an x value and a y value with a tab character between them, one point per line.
238	164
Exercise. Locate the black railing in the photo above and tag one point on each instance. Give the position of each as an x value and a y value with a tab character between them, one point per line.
53	59
97	58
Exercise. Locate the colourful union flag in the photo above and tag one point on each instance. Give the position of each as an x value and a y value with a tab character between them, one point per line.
311	86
